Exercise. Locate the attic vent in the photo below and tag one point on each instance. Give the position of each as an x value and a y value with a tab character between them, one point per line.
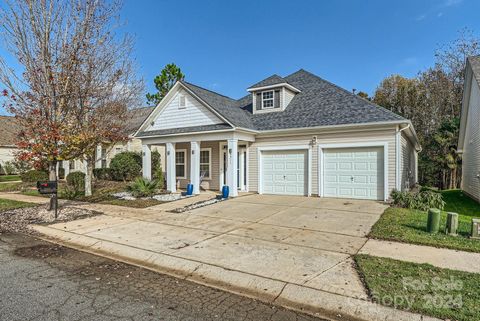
182	102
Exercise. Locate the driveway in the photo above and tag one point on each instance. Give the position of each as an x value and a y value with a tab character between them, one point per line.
287	239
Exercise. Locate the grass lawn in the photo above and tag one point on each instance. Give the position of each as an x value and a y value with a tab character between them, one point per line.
6	205
405	225
9	178
421	288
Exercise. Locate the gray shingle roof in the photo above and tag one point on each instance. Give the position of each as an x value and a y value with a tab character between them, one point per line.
475	63
136	117
181	130
10	128
320	103
272	80
224	105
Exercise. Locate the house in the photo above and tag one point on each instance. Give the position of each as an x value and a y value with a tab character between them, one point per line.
469	136
105	153
293	135
9	130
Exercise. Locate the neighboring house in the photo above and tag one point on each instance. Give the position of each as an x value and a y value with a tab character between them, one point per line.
9	130
297	135
469	137
106	153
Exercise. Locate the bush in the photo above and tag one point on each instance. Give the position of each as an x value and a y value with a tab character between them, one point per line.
142	187
103	174
159	177
34	175
76	180
422	200
8	168
126	166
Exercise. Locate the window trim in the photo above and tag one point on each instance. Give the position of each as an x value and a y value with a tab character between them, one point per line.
209	149
184	151
272	99
180	96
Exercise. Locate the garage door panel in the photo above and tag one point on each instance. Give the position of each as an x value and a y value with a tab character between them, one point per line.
354	172
283	172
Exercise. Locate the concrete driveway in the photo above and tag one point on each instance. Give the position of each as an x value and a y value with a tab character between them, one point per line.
293	240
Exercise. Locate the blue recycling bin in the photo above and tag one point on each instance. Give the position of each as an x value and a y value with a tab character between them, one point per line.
189	189
225	191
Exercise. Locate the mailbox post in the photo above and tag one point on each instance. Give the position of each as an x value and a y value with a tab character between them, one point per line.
50	187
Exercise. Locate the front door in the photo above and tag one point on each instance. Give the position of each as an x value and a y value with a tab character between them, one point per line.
241	167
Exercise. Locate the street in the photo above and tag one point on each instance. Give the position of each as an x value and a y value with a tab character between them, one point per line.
44	281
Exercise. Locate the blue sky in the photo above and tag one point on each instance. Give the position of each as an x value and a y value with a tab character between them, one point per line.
228	45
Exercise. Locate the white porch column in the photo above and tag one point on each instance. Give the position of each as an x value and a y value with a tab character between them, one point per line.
241	166
195	166
98	157
147	162
232	156
171	171
66	166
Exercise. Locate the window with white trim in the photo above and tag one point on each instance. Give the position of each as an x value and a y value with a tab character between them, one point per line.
180	163
206	162
267	99
182	102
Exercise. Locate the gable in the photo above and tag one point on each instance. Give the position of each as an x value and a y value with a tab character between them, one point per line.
192	114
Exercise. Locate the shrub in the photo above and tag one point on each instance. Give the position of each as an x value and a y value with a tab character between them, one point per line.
159	177
126	166
103	173
142	187
422	200
76	180
69	193
8	168
34	176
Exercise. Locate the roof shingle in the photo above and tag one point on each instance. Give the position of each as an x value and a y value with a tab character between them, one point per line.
272	80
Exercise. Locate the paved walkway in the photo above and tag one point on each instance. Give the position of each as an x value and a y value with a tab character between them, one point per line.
443	258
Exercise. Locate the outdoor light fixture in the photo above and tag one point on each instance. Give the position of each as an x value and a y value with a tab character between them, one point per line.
230	151
168	153
193	152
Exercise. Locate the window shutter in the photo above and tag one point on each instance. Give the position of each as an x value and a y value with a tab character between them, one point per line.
276	102
259	101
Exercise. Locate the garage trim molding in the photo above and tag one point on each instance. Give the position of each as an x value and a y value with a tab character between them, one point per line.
283	148
321	162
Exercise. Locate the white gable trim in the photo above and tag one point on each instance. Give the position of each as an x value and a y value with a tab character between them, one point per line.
168	97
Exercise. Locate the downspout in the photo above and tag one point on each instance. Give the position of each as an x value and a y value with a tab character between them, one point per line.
398	150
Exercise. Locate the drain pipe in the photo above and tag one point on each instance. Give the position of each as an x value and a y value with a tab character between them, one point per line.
398	159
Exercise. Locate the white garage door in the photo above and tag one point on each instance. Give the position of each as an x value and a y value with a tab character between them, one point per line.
354	173
284	172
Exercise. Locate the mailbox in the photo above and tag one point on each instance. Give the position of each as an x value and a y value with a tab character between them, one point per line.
47	187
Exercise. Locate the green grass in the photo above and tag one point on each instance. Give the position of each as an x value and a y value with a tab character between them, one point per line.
405	225
9	178
6	205
416	287
457	201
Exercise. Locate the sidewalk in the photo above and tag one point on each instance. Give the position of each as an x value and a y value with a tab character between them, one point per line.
439	257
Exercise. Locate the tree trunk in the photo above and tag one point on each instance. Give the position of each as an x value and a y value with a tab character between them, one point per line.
88	177
52	170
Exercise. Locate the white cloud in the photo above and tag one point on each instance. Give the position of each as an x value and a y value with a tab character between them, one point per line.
449	3
421	17
440	14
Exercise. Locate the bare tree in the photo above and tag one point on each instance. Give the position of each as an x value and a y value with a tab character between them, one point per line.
77	76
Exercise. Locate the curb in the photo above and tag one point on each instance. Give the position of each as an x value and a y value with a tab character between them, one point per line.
291	296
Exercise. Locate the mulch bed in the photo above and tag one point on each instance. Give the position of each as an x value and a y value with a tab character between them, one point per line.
18	220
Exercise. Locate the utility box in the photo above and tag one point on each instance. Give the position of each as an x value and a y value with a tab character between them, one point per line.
452	224
475	228
47	187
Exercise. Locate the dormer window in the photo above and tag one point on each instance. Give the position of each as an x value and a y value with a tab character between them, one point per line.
267	99
182	103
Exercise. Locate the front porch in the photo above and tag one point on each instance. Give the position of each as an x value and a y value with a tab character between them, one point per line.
207	164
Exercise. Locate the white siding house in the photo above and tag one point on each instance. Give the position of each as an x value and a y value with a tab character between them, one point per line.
469	140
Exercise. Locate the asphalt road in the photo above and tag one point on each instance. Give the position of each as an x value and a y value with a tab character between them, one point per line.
43	281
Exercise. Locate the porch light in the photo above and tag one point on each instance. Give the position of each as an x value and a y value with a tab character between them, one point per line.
168	153
193	152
